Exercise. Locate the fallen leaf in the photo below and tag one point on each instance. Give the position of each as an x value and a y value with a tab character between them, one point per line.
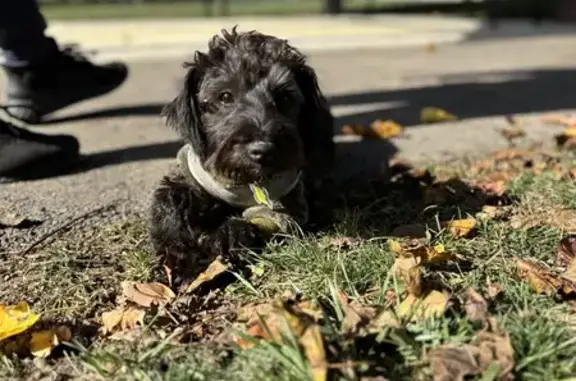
561	120
570	273
570	131
408	270
168	272
355	316
122	319
342	242
420	308
385	129
490	212
461	228
215	269
42	343
435	115
476	306
353	130
567	250
313	346
512	133
289	317
496	188
15	220
454	362
147	294
16	319
541	280
494	289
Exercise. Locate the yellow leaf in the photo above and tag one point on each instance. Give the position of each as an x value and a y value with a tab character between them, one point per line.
395	246
435	115
570	131
147	294
261	195
461	228
42	343
122	319
313	346
16	319
215	269
420	308
385	129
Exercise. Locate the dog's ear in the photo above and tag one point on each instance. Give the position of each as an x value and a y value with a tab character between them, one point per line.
183	113
316	121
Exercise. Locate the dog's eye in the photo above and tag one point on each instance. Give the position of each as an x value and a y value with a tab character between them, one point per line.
283	99
226	97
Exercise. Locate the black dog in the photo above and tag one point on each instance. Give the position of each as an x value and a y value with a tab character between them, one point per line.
257	129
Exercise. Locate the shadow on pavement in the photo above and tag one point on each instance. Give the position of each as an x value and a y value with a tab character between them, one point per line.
467	96
140	110
471	96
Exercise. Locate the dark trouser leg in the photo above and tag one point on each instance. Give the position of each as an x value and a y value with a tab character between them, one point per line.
22	38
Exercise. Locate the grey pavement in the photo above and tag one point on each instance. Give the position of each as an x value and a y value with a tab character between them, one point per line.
127	148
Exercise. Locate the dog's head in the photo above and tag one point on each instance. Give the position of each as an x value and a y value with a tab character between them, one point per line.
247	105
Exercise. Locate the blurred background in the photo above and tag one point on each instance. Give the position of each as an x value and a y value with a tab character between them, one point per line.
534	9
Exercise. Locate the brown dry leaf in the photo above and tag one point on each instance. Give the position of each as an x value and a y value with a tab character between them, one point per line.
435	115
570	275
42	343
408	270
511	133
490	212
215	269
476	306
453	362
147	294
564	219
355	315
496	188
461	228
557	120
342	242
567	250
298	318
385	129
353	130
494	289
541	280
14	220
420	308
122	319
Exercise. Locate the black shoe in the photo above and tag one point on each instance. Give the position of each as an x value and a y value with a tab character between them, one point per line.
25	155
62	79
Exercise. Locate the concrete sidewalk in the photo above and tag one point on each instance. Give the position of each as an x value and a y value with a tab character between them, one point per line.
170	38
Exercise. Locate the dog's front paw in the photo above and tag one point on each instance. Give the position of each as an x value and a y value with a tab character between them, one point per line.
236	234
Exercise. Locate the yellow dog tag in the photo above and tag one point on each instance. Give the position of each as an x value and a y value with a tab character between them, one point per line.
261	195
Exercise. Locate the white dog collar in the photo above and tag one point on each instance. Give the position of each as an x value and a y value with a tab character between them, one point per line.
264	193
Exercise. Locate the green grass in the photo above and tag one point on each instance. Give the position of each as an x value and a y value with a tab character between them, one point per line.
187	9
77	278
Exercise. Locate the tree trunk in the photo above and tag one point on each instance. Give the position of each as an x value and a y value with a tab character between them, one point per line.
333	7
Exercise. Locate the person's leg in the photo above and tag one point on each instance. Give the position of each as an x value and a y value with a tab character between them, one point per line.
22	38
41	78
24	154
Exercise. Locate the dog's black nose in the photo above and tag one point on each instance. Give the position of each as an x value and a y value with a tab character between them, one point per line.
258	151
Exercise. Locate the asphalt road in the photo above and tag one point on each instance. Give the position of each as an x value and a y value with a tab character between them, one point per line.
126	148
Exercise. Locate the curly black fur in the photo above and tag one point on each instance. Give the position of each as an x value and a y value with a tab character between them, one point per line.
249	90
